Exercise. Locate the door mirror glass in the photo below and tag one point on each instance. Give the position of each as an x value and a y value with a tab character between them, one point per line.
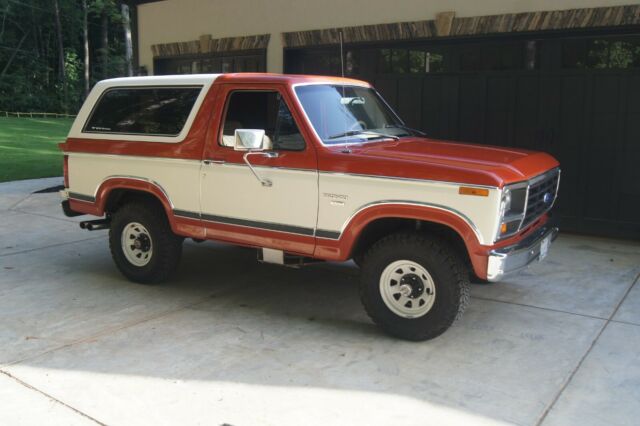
251	140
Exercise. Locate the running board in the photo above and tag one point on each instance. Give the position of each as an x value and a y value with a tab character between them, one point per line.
278	257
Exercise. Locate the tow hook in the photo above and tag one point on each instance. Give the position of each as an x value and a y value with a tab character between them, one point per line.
94	225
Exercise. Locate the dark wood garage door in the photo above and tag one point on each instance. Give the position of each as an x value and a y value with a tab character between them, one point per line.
577	98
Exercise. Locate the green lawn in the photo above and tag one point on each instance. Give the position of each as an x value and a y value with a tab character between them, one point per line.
29	147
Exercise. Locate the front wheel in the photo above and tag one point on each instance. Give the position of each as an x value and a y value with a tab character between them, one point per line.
413	286
142	244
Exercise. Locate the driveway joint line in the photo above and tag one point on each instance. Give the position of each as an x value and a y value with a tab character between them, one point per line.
626	322
33	388
540	307
50	246
109	331
43	215
564	386
17	203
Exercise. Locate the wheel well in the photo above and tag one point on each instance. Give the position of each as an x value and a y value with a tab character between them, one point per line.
380	228
121	196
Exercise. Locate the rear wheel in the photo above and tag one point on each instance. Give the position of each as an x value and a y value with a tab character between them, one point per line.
413	286
142	244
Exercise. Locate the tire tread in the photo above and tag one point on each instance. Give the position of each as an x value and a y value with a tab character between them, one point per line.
437	248
167	245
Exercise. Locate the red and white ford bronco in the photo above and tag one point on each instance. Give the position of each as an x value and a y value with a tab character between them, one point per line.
305	168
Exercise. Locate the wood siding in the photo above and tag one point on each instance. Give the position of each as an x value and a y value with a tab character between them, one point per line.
206	45
479	25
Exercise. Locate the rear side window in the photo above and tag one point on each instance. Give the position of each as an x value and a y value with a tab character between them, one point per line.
153	111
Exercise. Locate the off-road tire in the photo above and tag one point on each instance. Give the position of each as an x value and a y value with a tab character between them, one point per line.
358	259
167	247
449	274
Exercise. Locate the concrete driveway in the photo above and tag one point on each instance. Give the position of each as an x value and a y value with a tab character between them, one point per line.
233	342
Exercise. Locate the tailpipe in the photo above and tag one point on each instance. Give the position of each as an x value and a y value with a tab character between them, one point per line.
95	225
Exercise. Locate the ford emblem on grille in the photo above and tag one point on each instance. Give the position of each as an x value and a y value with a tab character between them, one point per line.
547	197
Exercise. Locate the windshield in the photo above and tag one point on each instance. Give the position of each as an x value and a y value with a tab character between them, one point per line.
346	114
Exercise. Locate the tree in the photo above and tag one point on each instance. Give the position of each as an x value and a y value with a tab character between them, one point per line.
108	14
13	55
56	8
47	49
61	63
85	45
128	51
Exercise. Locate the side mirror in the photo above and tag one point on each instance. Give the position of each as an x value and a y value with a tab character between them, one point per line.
251	140
254	142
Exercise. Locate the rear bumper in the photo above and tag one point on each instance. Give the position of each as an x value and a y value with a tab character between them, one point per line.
511	259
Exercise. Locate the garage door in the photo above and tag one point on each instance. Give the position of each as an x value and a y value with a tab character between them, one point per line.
577	98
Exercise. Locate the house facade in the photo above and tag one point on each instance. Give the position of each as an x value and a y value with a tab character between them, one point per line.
560	76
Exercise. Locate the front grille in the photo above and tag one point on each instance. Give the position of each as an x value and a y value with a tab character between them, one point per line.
539	187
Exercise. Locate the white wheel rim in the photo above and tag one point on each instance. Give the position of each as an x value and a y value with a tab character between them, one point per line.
407	289
137	245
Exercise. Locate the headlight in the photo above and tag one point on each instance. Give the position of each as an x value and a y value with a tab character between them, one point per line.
505	203
512	212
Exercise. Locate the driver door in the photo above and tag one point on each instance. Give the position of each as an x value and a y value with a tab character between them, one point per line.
235	205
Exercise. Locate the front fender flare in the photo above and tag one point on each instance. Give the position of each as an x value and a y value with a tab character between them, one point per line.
341	248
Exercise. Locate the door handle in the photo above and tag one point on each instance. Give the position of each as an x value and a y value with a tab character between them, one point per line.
209	161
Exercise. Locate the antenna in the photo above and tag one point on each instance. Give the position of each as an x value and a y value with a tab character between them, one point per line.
341	54
342	72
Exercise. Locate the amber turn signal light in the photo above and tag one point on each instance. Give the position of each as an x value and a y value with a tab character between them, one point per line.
503	228
467	190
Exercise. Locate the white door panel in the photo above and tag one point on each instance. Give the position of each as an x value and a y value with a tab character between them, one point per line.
232	191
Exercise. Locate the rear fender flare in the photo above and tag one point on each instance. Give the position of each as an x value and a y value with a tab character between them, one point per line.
135	184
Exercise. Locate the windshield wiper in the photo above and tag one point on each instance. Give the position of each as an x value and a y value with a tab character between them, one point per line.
363	132
409	129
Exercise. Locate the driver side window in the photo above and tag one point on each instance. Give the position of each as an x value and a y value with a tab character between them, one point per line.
262	110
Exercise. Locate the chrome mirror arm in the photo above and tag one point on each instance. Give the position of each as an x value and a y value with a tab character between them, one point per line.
268	154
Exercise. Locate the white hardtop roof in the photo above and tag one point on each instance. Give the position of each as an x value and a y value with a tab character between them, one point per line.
204	80
153	80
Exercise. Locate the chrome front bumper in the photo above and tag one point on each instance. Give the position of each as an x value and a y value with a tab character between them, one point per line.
508	260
